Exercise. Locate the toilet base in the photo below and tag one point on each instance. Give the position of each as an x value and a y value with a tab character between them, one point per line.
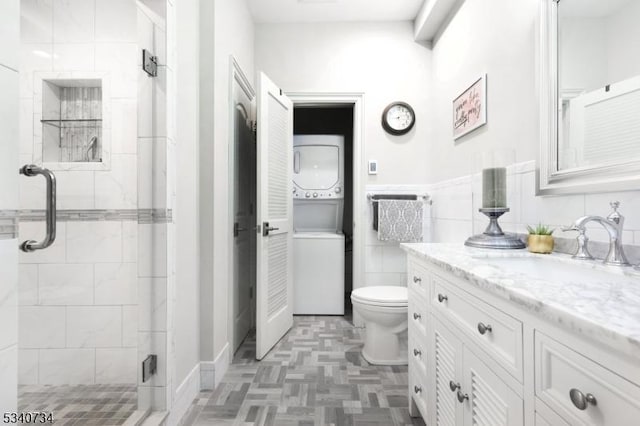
383	346
374	361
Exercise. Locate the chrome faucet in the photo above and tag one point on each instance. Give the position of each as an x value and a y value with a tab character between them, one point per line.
613	224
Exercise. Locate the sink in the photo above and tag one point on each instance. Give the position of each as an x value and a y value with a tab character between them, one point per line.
555	269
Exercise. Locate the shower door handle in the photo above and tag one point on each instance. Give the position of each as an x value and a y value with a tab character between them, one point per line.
31	170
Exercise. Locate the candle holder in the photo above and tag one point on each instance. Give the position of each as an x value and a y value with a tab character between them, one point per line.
493	237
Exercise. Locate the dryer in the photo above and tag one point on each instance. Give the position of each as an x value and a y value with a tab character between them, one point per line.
318	203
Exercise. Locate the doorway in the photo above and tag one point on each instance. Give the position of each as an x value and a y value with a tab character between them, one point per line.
331	120
333	103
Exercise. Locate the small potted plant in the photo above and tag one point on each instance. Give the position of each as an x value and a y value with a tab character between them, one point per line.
540	239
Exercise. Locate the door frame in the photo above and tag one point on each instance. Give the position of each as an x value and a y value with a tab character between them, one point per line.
235	74
356	99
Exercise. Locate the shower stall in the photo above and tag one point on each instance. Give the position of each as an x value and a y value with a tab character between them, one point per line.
90	212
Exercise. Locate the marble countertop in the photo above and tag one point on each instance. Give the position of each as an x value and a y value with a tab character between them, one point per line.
598	301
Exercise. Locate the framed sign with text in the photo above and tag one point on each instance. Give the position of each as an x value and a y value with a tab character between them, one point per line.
470	108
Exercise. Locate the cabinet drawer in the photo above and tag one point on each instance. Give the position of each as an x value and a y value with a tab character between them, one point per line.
417	313
418	390
600	397
498	333
417	353
418	280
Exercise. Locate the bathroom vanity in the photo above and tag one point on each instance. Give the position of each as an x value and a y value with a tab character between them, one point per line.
513	338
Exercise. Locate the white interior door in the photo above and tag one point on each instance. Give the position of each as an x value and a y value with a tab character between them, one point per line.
274	286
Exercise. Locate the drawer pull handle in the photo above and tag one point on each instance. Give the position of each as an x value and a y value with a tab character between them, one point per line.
580	400
417	389
416	316
453	386
462	397
417	279
442	298
482	329
416	352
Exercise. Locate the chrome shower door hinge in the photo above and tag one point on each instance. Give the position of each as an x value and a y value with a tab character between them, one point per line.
149	63
149	367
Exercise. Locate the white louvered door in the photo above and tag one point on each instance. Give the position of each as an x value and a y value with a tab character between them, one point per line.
491	402
274	284
447	367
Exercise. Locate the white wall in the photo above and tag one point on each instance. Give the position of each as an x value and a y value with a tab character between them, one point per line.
9	46
380	60
187	289
232	34
499	38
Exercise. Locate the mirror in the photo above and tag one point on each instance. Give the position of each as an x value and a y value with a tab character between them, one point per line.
590	100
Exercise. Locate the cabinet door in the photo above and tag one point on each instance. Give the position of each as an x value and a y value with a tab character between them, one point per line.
489	401
446	371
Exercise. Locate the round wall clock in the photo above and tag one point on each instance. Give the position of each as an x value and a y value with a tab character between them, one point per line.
398	118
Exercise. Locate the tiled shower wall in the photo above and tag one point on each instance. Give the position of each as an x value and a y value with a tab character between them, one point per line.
455	214
78	299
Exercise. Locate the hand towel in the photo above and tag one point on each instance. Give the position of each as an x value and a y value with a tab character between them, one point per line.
400	220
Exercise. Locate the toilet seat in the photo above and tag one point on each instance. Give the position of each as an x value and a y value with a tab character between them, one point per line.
382	296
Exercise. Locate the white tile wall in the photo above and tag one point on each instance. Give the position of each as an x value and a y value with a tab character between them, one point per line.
28	366
152	316
116	366
116	20
65	284
73	20
36	21
42	327
454	219
116	188
116	283
90	242
67	366
94	326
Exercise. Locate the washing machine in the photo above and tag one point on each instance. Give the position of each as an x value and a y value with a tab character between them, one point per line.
318	242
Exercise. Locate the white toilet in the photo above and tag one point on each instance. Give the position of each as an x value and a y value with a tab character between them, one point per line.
384	311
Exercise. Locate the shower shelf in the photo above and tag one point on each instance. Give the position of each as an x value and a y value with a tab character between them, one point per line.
62	122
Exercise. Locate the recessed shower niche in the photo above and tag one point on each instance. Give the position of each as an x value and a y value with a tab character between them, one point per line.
73	121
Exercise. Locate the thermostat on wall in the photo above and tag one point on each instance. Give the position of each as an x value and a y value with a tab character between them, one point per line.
373	167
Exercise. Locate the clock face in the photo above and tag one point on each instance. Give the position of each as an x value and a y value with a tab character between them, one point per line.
398	118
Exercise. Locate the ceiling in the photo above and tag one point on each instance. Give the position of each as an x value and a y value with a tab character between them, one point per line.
592	8
295	11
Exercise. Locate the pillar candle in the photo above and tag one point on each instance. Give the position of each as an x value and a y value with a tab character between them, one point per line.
494	187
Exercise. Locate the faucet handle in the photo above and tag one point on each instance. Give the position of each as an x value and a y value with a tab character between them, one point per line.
582	251
570	228
615	216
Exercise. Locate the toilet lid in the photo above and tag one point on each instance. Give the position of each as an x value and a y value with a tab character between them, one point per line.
381	295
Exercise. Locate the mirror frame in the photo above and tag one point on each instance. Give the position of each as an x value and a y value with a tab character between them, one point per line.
621	176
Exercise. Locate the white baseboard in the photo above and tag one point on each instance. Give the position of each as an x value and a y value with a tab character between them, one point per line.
184	396
221	365
212	372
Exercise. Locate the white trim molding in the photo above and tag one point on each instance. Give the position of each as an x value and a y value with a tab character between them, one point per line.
184	395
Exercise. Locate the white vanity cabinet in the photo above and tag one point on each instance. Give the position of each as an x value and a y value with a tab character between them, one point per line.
476	358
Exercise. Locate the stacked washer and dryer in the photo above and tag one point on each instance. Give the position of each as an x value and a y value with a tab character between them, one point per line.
318	241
